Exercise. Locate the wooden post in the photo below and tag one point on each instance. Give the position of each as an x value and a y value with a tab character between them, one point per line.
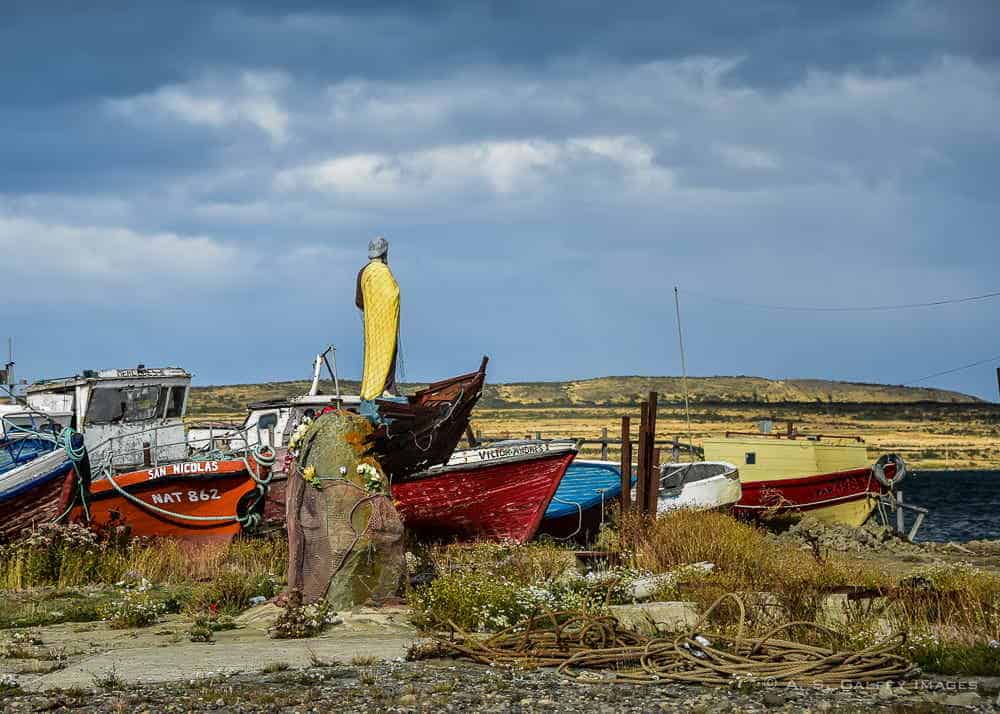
538	435
604	444
626	464
641	463
652	490
654	482
899	513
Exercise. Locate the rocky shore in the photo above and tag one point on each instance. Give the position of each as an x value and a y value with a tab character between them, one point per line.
450	686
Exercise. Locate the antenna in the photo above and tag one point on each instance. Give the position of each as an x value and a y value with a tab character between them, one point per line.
7	373
684	375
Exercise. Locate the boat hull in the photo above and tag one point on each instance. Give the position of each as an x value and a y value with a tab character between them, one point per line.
503	501
847	497
38	492
710	494
194	499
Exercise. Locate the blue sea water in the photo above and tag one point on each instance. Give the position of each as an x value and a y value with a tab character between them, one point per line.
964	505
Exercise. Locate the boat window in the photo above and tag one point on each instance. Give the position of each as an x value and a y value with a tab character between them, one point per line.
751	457
267	421
141	402
130	404
106	406
175	407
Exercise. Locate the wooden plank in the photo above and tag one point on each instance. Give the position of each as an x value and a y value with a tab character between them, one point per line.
626	464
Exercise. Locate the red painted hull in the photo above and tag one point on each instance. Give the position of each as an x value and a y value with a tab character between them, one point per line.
43	503
205	490
504	501
808	493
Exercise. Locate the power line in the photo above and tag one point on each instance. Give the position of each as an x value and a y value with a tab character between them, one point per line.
864	308
957	369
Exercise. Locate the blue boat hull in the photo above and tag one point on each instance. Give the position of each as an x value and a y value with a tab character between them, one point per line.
586	485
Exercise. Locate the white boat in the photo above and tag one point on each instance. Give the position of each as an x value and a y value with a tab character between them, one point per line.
272	422
698	486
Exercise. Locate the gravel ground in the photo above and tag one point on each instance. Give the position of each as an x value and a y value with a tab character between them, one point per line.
446	685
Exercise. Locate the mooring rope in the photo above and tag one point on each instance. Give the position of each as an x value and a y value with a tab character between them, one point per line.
577	643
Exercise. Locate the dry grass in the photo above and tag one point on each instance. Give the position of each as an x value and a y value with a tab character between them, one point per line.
951	612
745	560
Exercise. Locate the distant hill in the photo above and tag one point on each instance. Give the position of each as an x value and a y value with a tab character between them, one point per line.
611	391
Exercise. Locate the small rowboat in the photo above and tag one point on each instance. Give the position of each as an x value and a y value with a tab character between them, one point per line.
188	499
38	484
424	430
499	491
698	486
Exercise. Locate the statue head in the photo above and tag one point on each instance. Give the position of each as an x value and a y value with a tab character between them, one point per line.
378	249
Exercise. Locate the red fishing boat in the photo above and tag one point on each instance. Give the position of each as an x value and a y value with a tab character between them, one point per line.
498	492
201	499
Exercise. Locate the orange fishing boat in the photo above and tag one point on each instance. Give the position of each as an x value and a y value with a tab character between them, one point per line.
148	475
202	499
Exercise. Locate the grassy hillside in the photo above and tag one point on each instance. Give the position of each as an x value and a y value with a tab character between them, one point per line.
612	392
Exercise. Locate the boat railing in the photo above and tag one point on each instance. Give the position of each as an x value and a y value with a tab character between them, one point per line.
148	448
795	436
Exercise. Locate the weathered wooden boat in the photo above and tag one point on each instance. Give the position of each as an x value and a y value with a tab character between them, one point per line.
424	430
499	491
789	475
39	482
698	486
186	499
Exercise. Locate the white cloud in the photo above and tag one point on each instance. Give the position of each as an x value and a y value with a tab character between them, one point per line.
217	102
112	263
499	167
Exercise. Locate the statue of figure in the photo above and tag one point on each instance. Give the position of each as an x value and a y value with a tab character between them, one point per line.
378	299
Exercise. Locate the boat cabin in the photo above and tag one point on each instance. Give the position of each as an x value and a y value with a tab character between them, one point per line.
131	416
769	456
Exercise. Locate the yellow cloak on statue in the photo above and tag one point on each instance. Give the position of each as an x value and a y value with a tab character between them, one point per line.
381	315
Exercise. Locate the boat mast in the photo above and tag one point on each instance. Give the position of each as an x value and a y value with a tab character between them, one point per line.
684	376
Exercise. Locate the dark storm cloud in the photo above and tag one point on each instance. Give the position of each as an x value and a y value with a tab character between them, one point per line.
60	52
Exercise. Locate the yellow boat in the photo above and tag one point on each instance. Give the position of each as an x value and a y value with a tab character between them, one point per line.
829	477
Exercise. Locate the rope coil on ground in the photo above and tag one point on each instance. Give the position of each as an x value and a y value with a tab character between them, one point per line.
579	645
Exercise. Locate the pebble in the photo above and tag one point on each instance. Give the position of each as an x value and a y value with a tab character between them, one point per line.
963	699
773	699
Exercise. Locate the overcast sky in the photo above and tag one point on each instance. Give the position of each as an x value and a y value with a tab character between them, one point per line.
196	183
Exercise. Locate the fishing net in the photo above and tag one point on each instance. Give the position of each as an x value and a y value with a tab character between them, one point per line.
345	537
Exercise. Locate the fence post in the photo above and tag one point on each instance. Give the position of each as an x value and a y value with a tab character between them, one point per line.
652	481
538	435
604	443
626	464
641	462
